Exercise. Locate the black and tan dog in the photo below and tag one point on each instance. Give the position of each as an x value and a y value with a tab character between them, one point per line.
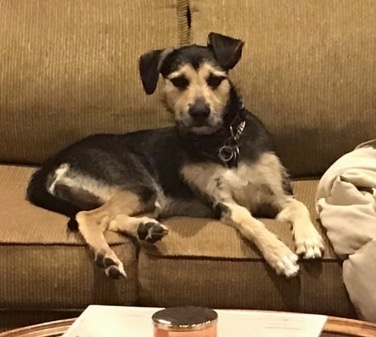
218	160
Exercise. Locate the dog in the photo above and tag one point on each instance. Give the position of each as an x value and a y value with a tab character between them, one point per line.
217	161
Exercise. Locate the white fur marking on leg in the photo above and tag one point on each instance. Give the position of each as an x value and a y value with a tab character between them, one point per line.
60	172
67	176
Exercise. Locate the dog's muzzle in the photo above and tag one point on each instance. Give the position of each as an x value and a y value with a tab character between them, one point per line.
199	112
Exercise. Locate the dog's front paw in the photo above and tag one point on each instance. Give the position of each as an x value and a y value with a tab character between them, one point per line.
151	232
282	259
309	243
111	265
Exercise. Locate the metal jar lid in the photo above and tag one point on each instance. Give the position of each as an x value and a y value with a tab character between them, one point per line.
184	318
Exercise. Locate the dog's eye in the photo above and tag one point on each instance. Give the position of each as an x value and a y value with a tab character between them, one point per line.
180	82
214	81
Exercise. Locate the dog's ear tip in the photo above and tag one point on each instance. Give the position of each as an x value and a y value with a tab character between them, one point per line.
211	37
149	84
227	50
149	91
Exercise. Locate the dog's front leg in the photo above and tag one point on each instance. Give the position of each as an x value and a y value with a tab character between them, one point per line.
275	252
207	180
307	239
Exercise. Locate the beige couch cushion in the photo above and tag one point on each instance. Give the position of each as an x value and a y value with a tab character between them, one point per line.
70	68
205	262
308	71
46	267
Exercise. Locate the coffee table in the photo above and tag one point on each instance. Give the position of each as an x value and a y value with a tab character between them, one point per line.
335	327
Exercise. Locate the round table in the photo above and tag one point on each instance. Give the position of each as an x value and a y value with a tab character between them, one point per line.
335	327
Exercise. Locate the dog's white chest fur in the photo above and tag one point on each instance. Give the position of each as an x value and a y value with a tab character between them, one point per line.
250	184
245	186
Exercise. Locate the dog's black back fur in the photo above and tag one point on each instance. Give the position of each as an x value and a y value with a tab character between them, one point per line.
121	160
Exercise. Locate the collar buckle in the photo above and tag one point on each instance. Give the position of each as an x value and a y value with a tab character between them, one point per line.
229	152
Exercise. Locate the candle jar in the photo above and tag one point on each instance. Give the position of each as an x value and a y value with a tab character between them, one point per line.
186	321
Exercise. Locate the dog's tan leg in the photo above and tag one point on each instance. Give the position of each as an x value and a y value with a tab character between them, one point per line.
92	225
111	215
275	252
308	241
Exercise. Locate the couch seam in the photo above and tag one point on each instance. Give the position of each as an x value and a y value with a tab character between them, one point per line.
183	22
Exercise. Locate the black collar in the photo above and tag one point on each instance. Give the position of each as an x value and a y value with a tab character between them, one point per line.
224	145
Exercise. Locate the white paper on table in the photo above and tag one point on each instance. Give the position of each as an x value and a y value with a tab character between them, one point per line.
244	323
120	321
113	321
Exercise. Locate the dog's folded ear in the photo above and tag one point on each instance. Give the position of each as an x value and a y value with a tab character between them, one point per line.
149	66
227	50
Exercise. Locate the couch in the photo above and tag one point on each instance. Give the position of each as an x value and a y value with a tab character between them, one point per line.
69	69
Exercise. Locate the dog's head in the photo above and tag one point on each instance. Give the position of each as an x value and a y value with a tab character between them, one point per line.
196	85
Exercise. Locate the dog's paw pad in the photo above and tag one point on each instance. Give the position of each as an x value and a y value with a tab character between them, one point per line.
151	232
72	225
309	246
115	272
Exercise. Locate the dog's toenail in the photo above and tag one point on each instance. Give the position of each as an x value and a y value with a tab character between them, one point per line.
142	232
114	273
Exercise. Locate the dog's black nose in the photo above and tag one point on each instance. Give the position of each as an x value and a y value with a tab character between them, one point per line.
199	111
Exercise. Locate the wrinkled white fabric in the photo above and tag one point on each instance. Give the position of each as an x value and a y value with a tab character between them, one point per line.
346	205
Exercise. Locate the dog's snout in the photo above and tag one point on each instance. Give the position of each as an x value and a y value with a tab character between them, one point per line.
199	111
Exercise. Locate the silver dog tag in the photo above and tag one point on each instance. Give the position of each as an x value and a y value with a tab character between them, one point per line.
229	155
226	153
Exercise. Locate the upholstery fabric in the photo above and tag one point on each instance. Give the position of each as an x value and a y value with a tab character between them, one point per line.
241	284
308	71
70	68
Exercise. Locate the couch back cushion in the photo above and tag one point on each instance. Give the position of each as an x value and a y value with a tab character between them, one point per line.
308	71
69	68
